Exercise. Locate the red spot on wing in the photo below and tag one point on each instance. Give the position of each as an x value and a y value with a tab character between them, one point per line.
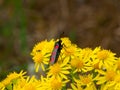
53	53
57	46
52	59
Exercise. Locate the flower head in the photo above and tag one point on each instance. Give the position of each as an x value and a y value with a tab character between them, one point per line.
53	83
40	59
106	76
27	84
103	59
59	70
80	64
84	82
41	54
11	78
106	58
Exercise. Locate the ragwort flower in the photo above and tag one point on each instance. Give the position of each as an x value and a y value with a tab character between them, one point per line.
84	82
41	54
10	78
52	83
80	65
60	70
102	59
27	84
106	58
105	76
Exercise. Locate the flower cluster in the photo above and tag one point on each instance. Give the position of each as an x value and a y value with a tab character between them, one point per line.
75	69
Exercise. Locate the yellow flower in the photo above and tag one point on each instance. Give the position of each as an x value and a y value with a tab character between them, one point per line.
27	84
77	63
108	86
59	70
86	53
105	76
69	49
86	79
102	59
56	84
38	47
40	59
110	75
106	58
66	41
15	75
41	54
85	82
112	85
109	80
80	64
44	46
10	78
53	83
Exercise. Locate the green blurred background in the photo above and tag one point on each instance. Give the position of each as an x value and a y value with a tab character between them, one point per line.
23	23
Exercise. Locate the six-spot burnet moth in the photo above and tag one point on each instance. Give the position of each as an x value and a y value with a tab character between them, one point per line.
56	52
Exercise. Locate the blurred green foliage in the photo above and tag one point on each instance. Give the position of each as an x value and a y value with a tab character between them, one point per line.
17	22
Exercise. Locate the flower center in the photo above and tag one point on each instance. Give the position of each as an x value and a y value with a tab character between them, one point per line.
110	75
38	58
55	84
102	54
77	63
86	80
96	66
55	69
